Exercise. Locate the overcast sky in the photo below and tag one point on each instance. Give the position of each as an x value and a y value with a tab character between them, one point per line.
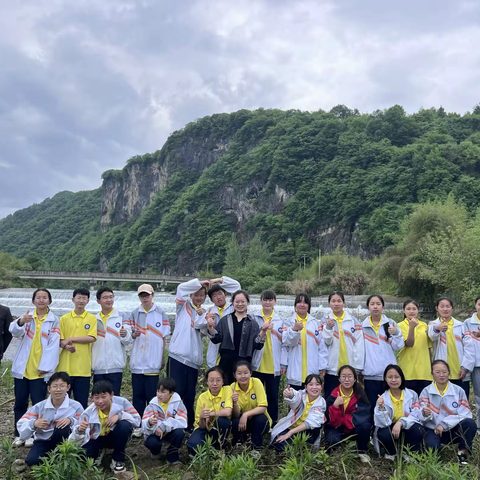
86	84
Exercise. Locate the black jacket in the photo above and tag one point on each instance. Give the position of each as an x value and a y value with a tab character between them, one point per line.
250	340
5	335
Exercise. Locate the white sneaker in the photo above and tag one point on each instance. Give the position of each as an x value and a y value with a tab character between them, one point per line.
29	442
156	456
364	457
137	433
391	458
19	465
117	467
17	442
255	454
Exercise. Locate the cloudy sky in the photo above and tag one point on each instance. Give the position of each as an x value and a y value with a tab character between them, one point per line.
86	84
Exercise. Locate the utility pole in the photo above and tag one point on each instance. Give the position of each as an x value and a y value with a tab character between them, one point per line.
304	261
319	261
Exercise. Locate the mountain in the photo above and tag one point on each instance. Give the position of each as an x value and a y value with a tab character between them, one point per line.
297	180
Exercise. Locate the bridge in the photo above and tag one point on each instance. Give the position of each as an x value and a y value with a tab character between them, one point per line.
94	278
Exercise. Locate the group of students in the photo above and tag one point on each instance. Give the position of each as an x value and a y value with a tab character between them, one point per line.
247	355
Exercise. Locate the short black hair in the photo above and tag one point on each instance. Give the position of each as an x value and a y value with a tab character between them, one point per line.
241	292
215	369
103	386
339	293
167	383
441	362
81	291
399	371
306	298
268	295
313	376
60	376
243	363
216	288
103	290
437	303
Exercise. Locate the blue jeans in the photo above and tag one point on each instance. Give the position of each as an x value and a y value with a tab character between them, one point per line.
144	388
361	435
24	388
463	435
42	447
186	379
258	426
413	438
174	438
218	433
116	439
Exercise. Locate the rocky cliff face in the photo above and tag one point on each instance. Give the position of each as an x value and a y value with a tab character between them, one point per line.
127	192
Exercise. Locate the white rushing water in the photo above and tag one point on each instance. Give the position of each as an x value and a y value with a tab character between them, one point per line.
19	300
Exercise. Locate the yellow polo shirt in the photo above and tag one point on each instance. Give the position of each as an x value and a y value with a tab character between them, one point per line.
375	327
346	397
266	364
213	403
35	355
103	417
397	407
303	333
415	361
79	363
308	406
254	396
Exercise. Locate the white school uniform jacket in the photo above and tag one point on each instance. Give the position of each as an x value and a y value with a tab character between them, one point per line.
69	409
315	417
380	352
384	418
147	350
120	406
50	345
463	341
174	417
352	330
186	344
447	411
472	324
108	352
231	286
316	351
279	350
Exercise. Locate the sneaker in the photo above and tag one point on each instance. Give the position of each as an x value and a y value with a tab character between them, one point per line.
117	467
177	465
407	458
19	465
29	442
462	459
17	442
391	458
156	456
255	454
364	457
137	433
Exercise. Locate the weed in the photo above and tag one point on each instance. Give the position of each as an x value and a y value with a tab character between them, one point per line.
8	457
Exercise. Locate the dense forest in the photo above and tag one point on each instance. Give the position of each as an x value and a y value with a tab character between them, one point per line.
285	184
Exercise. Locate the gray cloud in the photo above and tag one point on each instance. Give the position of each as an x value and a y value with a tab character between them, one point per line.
85	85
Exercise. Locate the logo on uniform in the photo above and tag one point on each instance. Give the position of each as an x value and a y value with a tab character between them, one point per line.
222	404
316	333
117	324
174	413
158	324
87	326
280	330
455	405
353	330
253	396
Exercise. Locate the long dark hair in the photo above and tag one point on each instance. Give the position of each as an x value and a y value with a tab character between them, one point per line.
358	391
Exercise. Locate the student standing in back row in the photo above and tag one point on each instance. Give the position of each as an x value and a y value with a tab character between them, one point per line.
218	295
186	347
36	358
452	343
114	333
151	327
343	337
302	336
270	362
78	330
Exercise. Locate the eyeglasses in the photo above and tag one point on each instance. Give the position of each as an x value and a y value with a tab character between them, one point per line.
347	377
214	381
58	387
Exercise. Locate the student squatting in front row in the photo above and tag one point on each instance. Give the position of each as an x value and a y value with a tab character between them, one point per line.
336	347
